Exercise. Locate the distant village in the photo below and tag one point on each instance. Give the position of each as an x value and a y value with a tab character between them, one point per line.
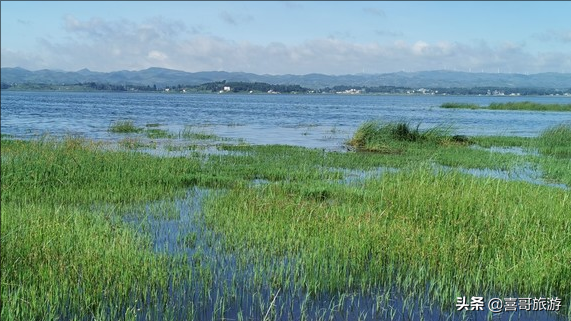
223	87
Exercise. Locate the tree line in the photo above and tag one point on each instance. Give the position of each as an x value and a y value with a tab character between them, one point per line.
260	87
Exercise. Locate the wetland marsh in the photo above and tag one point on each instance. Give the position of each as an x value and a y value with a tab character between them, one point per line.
191	223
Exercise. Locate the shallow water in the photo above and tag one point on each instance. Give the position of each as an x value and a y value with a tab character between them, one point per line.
317	121
224	286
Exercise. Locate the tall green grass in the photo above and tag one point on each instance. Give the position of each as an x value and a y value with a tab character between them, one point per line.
555	144
66	252
64	261
556	141
450	232
391	137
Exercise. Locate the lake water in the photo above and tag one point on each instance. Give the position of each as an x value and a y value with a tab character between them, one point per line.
317	121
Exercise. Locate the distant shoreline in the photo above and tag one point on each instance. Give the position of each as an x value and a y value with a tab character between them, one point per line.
269	89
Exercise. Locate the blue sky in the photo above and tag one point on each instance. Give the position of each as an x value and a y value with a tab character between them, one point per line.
288	37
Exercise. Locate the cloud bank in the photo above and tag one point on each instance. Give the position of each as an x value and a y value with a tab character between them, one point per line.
104	45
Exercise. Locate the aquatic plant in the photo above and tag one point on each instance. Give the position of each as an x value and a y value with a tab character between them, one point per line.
124	127
460	105
556	141
520	105
393	137
528	105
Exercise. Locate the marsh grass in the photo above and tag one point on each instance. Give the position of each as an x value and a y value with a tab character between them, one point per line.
68	252
556	141
410	229
189	133
554	144
522	105
124	127
397	137
528	105
155	133
460	105
134	143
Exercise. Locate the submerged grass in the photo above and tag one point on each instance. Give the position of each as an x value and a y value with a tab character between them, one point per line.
446	229
154	133
67	252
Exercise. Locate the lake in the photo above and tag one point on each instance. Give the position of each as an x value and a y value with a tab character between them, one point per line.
316	121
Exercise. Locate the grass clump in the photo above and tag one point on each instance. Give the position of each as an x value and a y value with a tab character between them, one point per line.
124	127
396	137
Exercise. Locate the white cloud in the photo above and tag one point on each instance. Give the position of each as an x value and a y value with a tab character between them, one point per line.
102	45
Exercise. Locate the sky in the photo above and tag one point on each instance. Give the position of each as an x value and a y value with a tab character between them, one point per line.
288	37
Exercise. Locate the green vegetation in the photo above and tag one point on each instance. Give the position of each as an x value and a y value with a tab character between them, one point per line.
461	106
524	105
528	105
413	229
155	133
81	227
65	250
556	141
189	133
124	127
393	137
553	143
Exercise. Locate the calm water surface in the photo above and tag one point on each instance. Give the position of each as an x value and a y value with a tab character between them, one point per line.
320	121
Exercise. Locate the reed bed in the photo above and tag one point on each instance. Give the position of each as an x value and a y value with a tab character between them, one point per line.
522	105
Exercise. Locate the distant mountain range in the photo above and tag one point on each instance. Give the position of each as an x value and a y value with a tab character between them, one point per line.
162	77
